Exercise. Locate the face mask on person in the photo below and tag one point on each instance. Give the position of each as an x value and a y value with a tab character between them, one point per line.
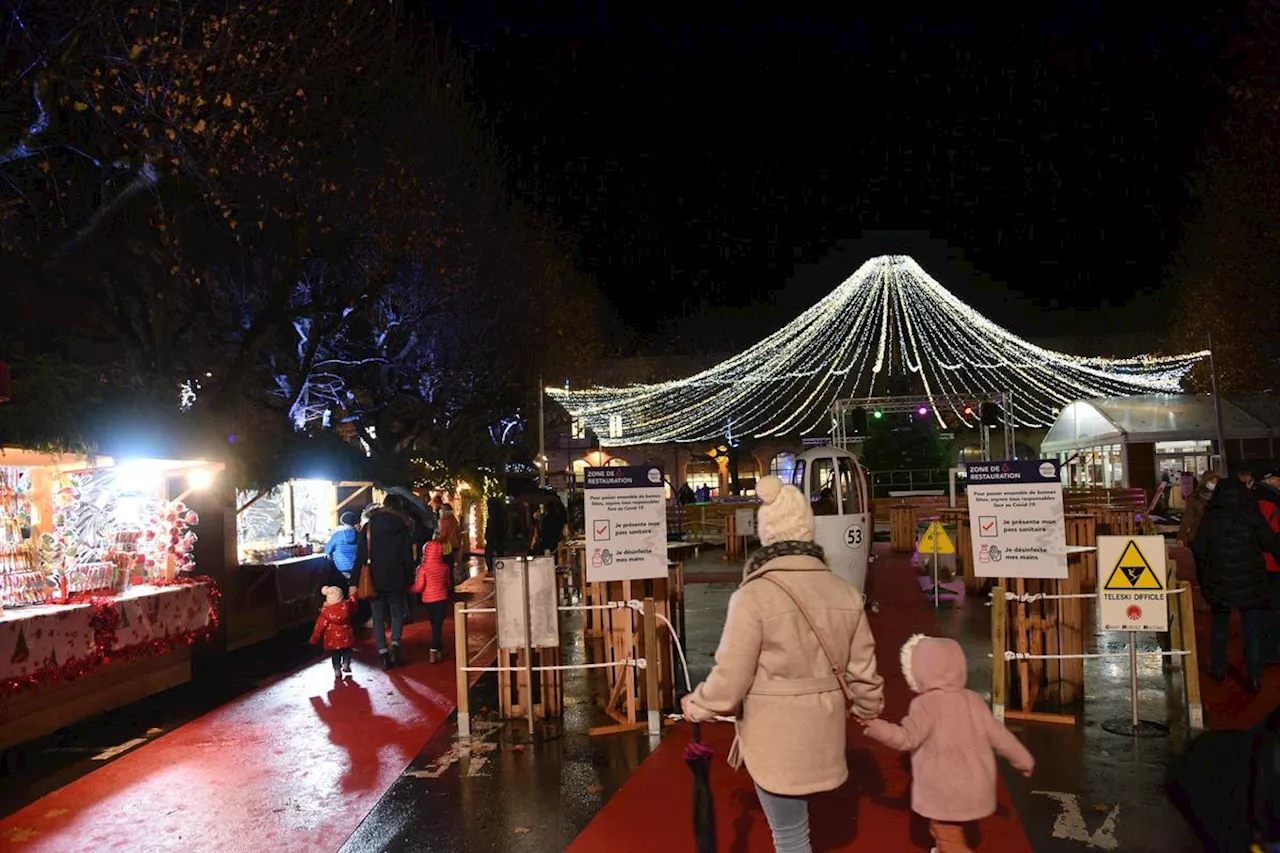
1211	485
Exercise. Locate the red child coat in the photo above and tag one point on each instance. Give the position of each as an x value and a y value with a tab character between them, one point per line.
334	626
433	574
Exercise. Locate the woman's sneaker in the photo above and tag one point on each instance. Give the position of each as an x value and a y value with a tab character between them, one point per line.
435	656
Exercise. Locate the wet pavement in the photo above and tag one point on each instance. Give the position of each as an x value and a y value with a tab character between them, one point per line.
503	790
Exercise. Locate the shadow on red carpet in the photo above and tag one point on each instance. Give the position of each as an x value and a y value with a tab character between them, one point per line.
869	814
295	765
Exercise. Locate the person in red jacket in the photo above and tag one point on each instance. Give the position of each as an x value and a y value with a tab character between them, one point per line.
434	575
333	627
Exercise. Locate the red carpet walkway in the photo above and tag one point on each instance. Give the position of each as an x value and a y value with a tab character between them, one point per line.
294	766
870	813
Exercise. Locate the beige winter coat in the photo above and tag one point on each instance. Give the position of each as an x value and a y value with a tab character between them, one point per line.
771	672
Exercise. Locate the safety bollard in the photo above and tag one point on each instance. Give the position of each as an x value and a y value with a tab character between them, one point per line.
460	663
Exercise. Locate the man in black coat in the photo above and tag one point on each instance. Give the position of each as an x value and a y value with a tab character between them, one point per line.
386	545
1229	548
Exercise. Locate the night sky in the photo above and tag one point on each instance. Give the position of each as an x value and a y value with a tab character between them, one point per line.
1028	164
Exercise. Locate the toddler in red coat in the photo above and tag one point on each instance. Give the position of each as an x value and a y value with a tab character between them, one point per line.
433	582
333	627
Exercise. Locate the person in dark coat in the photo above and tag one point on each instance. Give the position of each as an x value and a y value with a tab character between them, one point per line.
495	531
1229	548
1225	785
386	546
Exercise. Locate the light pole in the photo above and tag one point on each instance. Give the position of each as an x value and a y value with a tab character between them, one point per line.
1217	409
542	436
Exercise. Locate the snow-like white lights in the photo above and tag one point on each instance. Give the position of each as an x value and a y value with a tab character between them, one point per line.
889	318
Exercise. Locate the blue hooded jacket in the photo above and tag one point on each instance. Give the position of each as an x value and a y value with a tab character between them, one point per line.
342	548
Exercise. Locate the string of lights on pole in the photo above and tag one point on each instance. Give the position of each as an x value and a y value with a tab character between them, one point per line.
887	324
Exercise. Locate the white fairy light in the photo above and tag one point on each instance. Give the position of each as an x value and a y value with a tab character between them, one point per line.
889	318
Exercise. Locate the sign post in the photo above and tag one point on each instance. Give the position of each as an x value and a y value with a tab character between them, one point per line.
626	512
1019	529
935	541
1133	597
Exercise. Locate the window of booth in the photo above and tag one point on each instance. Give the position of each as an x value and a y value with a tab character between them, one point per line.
783	466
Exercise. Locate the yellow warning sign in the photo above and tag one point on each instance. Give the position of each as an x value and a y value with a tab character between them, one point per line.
935	541
1133	571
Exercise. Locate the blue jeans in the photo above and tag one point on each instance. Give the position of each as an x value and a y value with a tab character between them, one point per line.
788	821
395	602
1253	623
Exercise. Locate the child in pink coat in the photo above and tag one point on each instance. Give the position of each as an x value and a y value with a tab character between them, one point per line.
432	582
953	738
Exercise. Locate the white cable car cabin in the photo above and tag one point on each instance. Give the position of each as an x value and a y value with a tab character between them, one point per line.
836	485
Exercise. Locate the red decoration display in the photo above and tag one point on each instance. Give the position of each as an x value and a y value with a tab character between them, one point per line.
104	620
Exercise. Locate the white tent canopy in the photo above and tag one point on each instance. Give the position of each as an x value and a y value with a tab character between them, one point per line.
1147	418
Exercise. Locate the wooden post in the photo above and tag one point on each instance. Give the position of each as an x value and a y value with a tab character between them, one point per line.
652	698
461	661
999	669
1191	660
629	644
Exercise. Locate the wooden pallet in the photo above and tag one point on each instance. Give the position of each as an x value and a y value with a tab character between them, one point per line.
902	528
514	691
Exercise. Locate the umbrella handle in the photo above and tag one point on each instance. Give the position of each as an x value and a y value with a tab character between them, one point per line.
697	732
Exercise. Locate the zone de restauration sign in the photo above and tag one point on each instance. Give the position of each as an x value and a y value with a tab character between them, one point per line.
626	514
1016	522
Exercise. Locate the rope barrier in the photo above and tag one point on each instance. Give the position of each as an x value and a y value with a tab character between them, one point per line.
638	663
1028	597
1012	656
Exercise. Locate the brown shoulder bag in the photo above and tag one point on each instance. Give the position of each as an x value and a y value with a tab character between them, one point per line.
365	588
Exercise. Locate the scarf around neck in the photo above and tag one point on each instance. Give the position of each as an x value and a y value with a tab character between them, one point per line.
786	548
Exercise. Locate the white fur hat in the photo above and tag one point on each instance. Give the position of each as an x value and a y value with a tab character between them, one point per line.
785	515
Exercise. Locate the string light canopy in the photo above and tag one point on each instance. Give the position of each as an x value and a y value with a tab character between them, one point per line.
889	324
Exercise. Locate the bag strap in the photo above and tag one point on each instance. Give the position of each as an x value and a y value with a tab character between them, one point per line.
826	650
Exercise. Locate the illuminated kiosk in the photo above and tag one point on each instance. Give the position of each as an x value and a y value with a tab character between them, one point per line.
842	521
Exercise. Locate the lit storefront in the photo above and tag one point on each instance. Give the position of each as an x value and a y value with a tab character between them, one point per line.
1131	442
100	599
280	537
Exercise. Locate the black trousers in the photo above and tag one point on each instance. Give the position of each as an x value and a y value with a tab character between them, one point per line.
341	657
436	611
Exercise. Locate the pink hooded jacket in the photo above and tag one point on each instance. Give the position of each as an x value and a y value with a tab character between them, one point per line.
951	735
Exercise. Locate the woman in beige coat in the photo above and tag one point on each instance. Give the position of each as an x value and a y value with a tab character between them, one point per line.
772	671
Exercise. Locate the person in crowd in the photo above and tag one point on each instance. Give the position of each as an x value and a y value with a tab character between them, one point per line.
495	531
387	549
686	496
341	548
1193	513
333	628
826	503
433	585
1229	548
953	740
1267	493
791	627
450	535
550	527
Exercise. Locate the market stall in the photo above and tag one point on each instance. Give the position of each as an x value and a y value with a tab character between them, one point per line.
99	597
280	536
